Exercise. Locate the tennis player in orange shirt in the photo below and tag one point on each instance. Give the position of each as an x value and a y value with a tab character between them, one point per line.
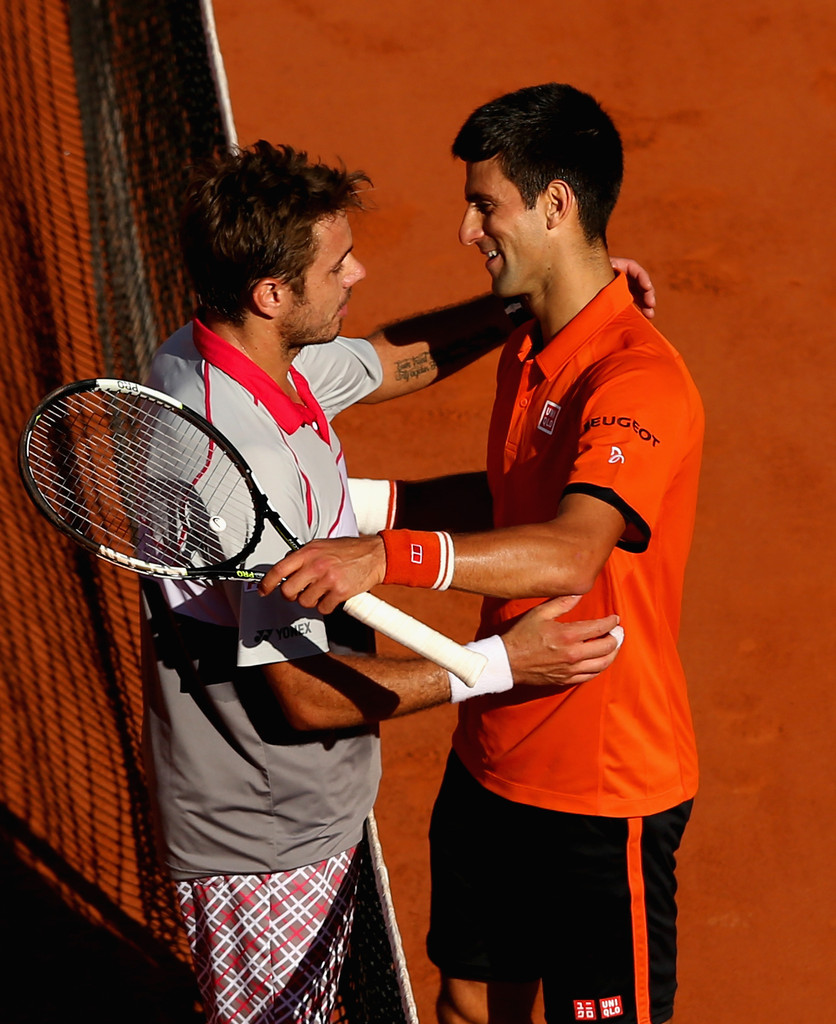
554	835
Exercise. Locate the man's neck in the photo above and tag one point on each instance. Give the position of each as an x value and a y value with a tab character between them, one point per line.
573	285
260	345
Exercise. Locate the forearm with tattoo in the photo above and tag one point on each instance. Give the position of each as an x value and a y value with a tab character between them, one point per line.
417	351
415	366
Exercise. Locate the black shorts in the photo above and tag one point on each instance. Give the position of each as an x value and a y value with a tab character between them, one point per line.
584	903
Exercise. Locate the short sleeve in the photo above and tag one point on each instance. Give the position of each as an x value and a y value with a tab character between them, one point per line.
638	423
340	373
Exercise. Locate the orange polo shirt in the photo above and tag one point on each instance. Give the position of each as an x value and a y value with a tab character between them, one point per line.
607	408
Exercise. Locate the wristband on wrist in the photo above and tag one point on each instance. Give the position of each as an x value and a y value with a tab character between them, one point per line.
375	503
419	558
496	675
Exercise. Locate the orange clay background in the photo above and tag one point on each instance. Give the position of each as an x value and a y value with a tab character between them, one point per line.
727	111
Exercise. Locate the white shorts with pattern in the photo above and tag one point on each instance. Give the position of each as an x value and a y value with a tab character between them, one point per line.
269	948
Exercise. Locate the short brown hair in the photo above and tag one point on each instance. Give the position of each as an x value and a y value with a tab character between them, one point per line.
250	214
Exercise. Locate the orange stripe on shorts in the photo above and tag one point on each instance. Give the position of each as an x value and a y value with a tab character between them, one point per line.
638	914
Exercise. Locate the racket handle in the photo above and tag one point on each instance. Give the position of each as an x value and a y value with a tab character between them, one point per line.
417	636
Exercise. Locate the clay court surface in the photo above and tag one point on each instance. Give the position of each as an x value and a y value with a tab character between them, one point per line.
727	111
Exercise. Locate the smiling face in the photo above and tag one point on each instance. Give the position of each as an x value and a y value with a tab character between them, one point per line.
317	316
511	237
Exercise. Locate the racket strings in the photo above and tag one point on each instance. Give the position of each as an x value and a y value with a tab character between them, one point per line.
124	472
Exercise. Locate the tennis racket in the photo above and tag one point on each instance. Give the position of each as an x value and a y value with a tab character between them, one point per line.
144	482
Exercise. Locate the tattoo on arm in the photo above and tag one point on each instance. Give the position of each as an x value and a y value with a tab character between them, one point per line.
453	355
417	366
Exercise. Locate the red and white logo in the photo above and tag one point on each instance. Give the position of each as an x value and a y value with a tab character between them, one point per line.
585	1009
416	554
616	454
548	417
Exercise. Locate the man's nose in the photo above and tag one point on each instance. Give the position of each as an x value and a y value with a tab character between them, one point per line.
470	228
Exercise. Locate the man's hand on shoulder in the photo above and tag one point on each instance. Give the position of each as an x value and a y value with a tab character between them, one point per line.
638	280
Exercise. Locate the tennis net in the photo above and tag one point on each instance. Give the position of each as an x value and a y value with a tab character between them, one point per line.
104	104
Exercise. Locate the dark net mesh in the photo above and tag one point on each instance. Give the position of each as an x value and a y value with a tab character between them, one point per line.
103	106
374	986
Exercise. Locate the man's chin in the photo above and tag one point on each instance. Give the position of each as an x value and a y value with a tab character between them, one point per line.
503	289
301	340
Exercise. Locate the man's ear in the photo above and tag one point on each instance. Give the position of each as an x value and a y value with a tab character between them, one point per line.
270	297
559	201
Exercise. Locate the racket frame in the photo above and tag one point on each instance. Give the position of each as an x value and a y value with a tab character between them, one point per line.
226	570
385	618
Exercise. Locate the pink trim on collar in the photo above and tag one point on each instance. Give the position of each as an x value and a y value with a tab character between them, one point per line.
288	414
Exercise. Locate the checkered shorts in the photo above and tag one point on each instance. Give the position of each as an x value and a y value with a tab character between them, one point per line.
269	948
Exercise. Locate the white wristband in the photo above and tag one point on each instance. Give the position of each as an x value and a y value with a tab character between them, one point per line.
496	675
373	502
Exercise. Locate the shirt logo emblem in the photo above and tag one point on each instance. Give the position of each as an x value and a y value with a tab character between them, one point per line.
616	454
548	417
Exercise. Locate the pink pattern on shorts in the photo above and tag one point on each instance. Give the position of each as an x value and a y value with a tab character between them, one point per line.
268	949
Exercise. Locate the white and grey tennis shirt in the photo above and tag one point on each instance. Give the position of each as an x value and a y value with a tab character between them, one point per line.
236	789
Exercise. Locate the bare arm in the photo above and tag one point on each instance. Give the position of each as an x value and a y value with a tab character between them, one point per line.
428	347
562	556
333	692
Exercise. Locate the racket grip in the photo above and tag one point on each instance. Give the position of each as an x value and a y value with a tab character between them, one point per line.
417	636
